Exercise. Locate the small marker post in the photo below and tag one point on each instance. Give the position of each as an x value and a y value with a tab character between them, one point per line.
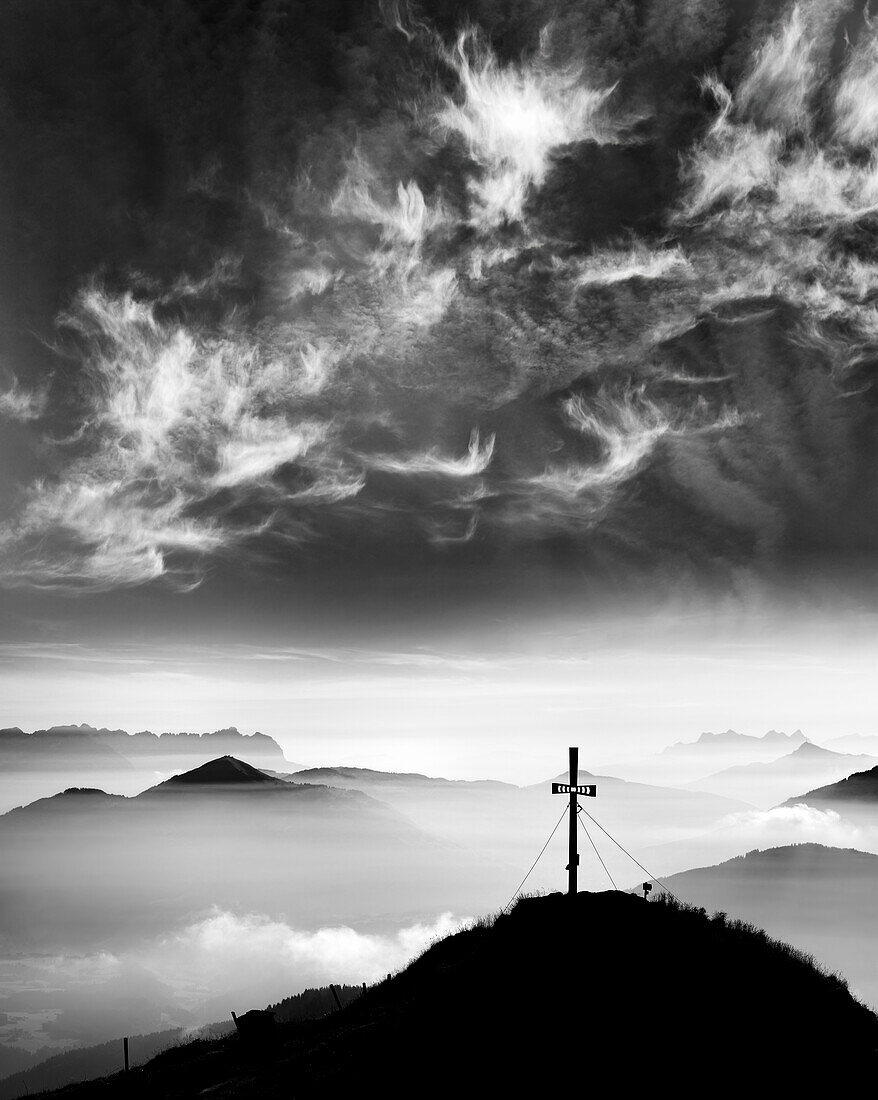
125	1052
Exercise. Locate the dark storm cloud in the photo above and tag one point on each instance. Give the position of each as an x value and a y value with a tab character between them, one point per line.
435	282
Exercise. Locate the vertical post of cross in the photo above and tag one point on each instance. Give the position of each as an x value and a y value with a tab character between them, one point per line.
125	1052
572	865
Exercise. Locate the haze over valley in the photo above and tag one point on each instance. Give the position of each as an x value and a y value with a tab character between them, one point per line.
227	882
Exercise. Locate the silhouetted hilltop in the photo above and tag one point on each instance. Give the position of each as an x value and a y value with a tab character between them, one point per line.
224	772
861	787
822	899
72	801
227	776
527	1006
313	1002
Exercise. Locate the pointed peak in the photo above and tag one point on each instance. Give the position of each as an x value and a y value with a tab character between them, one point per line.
808	748
225	771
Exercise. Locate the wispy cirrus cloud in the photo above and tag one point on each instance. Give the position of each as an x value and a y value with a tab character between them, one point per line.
511	119
21	404
429	368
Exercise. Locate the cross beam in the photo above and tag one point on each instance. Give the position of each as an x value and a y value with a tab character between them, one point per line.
574	789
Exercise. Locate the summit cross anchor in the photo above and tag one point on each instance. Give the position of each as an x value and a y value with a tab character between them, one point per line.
574	789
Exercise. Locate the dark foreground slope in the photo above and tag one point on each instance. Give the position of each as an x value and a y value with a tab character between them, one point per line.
555	995
86	1063
824	900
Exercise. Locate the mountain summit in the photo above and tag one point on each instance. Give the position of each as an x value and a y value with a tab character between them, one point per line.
225	771
502	1008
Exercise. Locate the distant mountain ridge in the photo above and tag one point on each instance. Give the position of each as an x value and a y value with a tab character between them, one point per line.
37	765
133	746
768	783
730	738
369	776
683	762
221	777
223	835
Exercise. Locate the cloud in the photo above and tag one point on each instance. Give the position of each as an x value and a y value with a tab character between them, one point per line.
476	461
777	90
743	832
798	825
404	222
22	405
856	98
260	446
243	960
103	535
231	949
607	268
684	390
511	118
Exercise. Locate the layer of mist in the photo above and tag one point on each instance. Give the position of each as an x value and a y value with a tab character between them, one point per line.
229	883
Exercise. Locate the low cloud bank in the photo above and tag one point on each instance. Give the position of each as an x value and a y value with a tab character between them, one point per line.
226	950
799	824
195	975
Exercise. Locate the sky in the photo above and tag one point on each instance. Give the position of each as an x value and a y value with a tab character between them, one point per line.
430	383
472	712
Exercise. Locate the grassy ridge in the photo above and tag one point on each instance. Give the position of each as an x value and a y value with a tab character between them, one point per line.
605	990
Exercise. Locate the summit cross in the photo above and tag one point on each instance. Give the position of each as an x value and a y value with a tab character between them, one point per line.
574	789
